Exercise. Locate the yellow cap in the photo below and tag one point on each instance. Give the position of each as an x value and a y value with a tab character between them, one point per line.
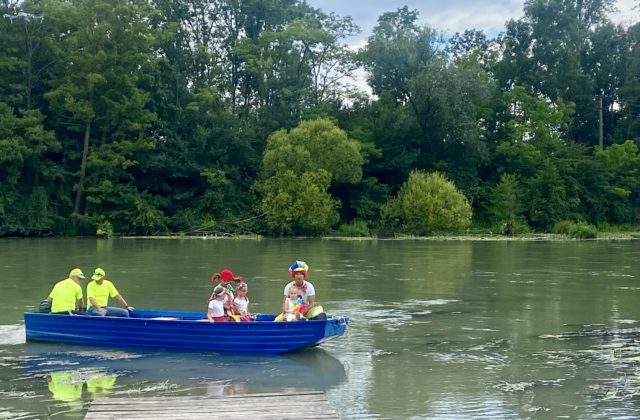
97	274
76	272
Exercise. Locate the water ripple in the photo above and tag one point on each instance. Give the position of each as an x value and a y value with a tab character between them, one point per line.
12	334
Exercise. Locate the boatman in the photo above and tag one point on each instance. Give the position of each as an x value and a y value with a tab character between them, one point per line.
99	290
66	296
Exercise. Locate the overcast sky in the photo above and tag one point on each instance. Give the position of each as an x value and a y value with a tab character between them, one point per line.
448	16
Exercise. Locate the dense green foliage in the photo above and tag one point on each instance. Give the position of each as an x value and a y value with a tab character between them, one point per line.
577	230
427	204
220	116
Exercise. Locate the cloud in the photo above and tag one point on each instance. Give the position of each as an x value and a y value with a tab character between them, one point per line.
627	13
490	18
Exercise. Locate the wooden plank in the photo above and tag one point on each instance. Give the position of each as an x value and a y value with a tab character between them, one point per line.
200	407
209	403
267	406
212	401
230	399
265	395
196	412
178	415
258	414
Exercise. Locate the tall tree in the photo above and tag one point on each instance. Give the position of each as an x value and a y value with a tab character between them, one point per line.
29	176
451	103
544	51
104	56
628	126
396	52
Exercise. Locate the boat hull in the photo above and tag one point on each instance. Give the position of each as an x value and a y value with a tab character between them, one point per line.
182	331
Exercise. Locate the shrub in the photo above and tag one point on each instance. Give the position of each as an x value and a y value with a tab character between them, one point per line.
104	229
357	228
578	230
428	203
617	228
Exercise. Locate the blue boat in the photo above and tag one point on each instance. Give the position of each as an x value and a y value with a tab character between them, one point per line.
183	331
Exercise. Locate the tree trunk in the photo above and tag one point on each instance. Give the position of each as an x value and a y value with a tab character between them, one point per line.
83	167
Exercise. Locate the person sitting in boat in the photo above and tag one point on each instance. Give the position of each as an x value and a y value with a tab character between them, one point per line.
299	271
293	306
218	305
306	293
226	278
99	290
241	303
66	296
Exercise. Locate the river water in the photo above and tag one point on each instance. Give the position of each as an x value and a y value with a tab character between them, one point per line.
439	329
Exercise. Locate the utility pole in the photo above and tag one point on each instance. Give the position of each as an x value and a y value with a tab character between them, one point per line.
600	129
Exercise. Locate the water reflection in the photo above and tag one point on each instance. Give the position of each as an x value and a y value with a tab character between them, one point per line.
225	388
67	385
49	380
615	352
313	368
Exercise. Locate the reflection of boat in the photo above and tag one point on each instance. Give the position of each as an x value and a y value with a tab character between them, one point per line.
226	373
182	331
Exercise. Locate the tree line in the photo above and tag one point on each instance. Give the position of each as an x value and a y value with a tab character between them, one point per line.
228	116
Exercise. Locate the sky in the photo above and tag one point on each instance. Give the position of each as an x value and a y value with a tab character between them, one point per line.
447	16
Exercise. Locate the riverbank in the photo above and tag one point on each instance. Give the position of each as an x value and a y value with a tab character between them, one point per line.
608	236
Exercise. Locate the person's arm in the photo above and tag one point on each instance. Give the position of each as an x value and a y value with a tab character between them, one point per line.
311	300
94	303
210	314
228	301
79	300
235	307
284	305
124	302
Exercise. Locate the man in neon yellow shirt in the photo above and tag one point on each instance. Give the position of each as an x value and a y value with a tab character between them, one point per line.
98	293
66	295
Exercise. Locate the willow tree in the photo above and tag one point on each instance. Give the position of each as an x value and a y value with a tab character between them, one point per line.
298	167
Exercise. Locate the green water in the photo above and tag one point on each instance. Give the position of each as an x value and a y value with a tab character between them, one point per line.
458	329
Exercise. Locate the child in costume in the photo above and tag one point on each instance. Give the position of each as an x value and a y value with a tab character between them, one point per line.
293	307
226	278
241	303
218	305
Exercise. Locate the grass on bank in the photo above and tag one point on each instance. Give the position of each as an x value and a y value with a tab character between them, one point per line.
566	229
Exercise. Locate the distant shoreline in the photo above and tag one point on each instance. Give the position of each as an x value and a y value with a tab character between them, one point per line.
602	236
467	237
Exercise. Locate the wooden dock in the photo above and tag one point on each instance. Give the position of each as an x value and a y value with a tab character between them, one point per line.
294	406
